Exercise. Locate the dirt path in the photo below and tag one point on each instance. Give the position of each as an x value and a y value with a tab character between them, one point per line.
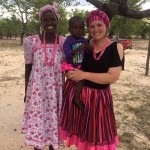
131	98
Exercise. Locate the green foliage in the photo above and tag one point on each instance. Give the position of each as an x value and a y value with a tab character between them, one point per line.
22	9
135	4
126	27
33	27
27	12
80	13
145	29
10	27
63	22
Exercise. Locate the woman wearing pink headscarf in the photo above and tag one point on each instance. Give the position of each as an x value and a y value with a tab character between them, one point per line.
94	127
43	82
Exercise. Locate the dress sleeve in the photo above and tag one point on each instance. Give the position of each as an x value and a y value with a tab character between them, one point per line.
62	40
114	59
28	51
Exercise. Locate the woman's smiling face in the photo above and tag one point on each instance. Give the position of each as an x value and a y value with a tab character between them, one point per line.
97	29
49	22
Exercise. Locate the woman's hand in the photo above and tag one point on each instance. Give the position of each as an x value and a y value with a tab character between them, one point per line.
76	75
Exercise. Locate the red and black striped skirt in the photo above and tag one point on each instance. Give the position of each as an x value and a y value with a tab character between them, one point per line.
93	128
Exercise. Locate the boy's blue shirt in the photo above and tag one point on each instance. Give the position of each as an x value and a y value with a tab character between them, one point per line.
69	45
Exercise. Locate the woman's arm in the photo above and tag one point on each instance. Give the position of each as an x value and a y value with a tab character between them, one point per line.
104	78
28	68
101	78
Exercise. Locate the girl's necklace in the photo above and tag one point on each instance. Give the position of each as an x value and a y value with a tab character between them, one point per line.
51	62
108	42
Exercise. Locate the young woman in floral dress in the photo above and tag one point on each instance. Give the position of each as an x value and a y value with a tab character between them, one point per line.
43	82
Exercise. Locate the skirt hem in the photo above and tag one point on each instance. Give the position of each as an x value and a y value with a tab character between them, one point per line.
84	145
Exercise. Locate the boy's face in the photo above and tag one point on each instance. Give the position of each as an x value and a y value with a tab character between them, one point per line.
77	29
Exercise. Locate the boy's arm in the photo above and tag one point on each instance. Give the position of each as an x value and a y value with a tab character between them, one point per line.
82	47
78	49
67	48
85	47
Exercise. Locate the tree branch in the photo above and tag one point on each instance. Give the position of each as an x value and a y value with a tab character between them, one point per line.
124	2
114	8
136	14
96	3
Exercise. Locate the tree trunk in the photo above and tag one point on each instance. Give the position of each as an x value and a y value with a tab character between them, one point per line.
23	32
21	37
148	58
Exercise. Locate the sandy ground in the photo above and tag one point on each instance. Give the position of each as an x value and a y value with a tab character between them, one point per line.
131	98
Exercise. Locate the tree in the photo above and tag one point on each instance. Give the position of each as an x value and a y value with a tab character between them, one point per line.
148	54
22	9
9	27
124	27
33	27
25	10
63	23
120	7
145	30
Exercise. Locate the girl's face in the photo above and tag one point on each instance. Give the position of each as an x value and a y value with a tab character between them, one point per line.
97	29
49	22
77	29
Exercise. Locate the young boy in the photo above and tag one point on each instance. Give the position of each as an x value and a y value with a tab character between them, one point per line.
74	46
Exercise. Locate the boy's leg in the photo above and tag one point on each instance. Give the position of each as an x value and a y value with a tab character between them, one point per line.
76	99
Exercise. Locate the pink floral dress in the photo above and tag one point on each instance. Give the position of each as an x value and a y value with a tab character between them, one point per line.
44	93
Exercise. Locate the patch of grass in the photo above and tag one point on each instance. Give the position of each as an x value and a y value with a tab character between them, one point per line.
142	113
132	96
126	137
141	123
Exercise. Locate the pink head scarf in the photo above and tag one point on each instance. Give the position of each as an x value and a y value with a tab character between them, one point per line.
52	8
97	15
